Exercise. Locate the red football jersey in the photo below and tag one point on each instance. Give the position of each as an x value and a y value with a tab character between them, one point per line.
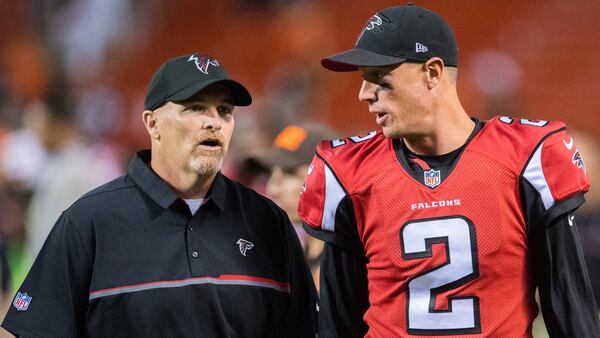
446	257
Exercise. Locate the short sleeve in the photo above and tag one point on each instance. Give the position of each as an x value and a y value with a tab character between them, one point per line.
320	197
326	208
53	299
556	178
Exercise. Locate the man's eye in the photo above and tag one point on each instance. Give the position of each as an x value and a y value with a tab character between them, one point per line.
374	78
195	107
370	78
224	110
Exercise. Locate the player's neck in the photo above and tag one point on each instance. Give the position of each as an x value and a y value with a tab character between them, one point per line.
447	135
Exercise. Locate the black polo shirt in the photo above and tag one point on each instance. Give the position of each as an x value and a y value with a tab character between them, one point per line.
129	260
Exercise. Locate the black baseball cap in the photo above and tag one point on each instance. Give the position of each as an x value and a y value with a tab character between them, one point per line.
181	77
395	35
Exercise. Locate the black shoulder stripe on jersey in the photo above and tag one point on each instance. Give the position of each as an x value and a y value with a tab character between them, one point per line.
346	230
563	207
536	217
537	146
324	235
333	172
530	205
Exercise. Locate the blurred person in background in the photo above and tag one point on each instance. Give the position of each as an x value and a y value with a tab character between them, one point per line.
287	162
10	212
441	224
588	216
173	248
71	168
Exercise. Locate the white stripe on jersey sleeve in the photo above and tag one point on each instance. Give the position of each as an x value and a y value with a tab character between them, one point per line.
535	175
334	193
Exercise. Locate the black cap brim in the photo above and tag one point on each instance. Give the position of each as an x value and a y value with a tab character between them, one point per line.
348	61
241	96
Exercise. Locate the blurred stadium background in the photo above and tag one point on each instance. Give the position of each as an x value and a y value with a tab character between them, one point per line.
91	60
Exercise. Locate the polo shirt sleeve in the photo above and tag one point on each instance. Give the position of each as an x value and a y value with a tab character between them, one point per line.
300	319
53	299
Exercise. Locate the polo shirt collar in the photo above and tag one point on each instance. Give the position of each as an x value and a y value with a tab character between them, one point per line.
160	191
218	191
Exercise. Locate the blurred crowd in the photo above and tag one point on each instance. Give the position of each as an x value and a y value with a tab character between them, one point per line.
68	125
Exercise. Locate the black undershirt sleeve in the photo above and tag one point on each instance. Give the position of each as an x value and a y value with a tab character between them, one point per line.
343	283
344	297
566	296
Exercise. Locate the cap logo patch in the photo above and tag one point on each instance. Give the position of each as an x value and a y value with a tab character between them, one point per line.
374	22
420	48
22	301
202	62
244	246
378	23
290	138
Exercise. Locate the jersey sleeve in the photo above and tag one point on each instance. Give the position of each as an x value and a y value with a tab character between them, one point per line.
327	211
554	179
326	207
53	299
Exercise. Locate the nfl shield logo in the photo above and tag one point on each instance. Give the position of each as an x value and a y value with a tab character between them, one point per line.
432	178
22	301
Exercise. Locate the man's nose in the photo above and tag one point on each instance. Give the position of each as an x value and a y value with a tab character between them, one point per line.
212	120
367	92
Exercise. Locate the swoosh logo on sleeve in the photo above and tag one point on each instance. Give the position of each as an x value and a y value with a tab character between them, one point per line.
569	144
310	169
570	219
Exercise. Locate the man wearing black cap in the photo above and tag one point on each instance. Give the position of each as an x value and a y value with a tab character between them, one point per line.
173	248
442	224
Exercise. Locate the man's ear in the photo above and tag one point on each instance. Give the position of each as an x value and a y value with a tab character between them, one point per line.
435	69
150	119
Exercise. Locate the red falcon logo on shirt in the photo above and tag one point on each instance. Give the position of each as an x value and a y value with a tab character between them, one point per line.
202	62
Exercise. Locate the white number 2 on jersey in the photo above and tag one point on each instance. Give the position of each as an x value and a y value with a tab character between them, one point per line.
458	235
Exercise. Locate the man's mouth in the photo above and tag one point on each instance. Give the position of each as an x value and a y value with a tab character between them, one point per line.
211	143
380	117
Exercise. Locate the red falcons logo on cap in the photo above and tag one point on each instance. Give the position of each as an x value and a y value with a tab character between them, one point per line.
202	62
